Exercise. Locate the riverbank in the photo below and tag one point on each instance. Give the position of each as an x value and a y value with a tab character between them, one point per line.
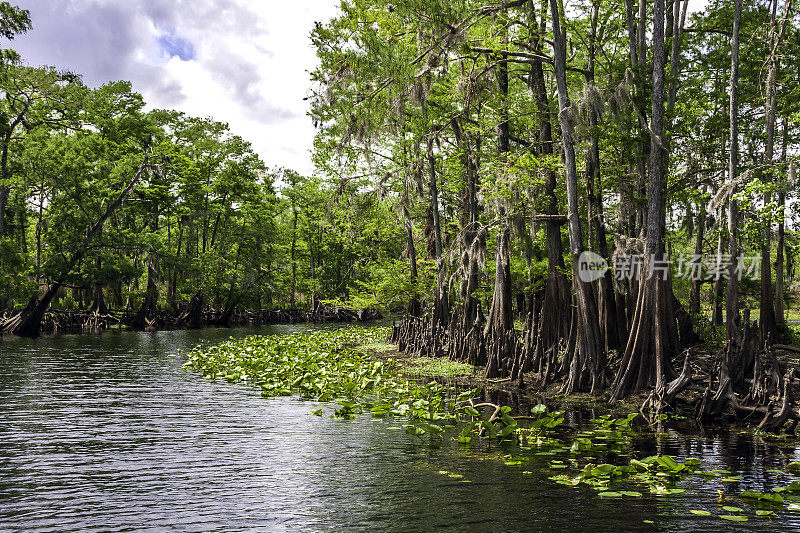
682	417
356	373
56	321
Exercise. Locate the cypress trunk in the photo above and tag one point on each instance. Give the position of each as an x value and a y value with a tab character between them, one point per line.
587	359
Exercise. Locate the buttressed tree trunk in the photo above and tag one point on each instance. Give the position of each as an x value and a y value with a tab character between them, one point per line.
554	318
606	299
501	320
653	335
767	320
588	359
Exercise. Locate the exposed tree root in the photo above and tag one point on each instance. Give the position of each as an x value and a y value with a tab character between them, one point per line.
759	392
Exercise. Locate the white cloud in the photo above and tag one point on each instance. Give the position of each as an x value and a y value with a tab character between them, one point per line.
244	62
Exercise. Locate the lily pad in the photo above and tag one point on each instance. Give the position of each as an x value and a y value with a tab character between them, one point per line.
700	512
733	518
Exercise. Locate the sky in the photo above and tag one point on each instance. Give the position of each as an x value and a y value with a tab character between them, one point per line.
243	62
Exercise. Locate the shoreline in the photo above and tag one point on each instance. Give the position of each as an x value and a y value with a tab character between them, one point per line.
681	419
62	322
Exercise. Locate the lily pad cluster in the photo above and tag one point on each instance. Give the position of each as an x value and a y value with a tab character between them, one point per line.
331	366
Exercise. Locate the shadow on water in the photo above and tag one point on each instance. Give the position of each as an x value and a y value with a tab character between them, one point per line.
108	432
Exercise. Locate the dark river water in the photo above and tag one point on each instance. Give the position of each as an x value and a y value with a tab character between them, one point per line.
109	433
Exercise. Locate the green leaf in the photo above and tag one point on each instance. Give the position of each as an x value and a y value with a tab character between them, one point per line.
506	431
538	409
603	470
700	513
414	430
508	420
668	462
733	518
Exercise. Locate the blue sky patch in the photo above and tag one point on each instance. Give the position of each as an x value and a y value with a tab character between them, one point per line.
173	45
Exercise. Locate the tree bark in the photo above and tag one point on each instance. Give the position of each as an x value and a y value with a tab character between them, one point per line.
717	299
294	259
474	236
501	320
150	297
413	304
767	319
653	334
588	359
554	318
4	192
607	302
732	297
779	257
694	296
441	303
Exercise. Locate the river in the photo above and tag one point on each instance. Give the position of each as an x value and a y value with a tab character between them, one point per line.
109	433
